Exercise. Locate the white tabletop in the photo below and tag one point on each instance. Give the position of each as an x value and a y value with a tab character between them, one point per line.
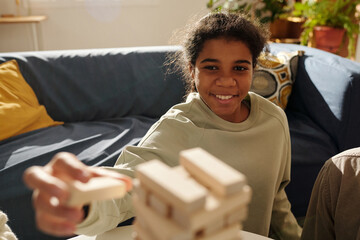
124	233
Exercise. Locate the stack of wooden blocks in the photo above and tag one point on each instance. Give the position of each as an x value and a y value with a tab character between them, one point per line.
203	198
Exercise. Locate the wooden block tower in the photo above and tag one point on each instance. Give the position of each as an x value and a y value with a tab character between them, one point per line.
202	199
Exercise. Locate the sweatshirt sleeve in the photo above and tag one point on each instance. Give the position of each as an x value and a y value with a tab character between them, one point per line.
283	223
106	215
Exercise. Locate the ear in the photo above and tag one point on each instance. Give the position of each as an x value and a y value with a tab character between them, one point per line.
192	70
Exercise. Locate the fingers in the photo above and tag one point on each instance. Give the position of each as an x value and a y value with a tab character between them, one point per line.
36	178
67	166
52	177
52	225
54	218
46	203
51	192
127	181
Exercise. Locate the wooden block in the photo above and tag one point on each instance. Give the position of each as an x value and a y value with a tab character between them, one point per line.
215	208
237	215
97	188
212	172
159	206
150	199
140	191
141	232
140	221
214	226
182	171
160	226
238	235
229	232
170	186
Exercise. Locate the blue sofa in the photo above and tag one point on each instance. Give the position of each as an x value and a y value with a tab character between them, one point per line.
108	98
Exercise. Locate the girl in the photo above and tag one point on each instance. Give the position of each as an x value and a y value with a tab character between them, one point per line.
220	115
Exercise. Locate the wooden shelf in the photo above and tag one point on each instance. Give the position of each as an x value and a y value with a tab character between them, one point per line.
33	21
22	19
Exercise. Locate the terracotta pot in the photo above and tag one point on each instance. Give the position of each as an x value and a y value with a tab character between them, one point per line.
286	28
279	28
328	38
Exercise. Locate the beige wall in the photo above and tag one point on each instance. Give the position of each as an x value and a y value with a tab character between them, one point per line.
74	25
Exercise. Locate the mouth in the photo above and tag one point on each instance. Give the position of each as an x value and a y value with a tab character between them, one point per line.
225	97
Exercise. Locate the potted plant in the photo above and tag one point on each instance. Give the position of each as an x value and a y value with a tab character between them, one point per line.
266	11
334	17
274	13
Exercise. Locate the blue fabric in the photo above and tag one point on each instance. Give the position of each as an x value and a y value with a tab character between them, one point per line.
322	114
87	85
311	146
327	89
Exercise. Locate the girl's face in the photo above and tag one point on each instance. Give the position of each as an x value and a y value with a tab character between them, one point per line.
223	73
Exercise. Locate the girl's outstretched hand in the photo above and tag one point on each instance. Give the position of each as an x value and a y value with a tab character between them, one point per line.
51	192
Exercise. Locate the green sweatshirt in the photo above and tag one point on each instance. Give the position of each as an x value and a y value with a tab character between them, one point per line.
258	147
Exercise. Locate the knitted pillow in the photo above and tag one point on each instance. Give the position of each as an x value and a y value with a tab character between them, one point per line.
5	231
274	76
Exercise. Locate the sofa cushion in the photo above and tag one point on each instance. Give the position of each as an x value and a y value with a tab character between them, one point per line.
327	89
20	110
311	146
322	115
274	76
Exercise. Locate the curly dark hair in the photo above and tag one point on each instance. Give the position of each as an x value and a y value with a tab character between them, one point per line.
231	26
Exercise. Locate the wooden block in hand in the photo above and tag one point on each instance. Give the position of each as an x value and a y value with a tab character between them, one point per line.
171	187
219	177
97	188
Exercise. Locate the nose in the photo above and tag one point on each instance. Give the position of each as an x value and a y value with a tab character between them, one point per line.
225	81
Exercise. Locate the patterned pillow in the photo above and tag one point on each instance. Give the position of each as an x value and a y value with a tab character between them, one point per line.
274	76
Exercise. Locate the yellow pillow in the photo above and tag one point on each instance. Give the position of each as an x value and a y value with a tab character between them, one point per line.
275	75
20	110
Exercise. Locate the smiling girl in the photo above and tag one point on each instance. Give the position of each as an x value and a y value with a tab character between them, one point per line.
221	116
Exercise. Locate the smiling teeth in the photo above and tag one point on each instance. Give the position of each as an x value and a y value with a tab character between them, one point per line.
222	97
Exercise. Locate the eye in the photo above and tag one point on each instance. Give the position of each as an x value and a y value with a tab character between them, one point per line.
240	68
211	67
